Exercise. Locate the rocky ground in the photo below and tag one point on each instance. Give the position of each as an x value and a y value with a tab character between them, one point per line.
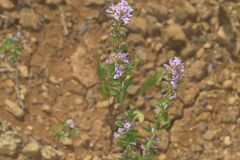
66	39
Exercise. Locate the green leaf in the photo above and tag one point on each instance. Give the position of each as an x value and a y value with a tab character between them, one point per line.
164	116
119	123
101	72
131	115
152	81
123	47
139	115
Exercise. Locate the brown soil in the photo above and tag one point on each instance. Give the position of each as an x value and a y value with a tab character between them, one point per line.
62	74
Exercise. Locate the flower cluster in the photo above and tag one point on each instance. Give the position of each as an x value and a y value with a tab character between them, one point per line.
120	12
120	131
119	60
174	71
70	123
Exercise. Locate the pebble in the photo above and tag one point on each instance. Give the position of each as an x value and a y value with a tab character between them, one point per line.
13	108
46	109
227	141
228	84
209	135
31	150
54	2
198	70
176	37
138	25
6	4
135	40
29	19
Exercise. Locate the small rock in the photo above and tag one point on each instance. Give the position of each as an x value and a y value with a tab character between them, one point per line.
105	103
13	108
94	3
141	54
67	142
87	157
138	25
29	19
203	127
227	141
209	135
54	2
189	94
230	116
10	143
228	84
188	8
140	102
164	58
32	150
133	89
189	51
198	70
46	109
23	71
9	83
6	4
54	80
83	70
4	126
79	100
175	37
158	11
136	39
49	153
162	157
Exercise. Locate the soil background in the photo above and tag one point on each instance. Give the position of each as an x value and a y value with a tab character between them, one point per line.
67	38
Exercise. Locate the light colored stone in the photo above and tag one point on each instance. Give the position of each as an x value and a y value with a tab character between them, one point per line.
67	142
162	157
227	141
92	3
158	11
133	89
83	64
32	150
29	19
138	25
198	70
105	103
49	153
175	37
13	108
46	109
136	39
6	4
209	135
23	70
54	2
10	143
228	84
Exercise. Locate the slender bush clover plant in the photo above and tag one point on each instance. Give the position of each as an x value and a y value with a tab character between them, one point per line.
11	48
65	130
115	75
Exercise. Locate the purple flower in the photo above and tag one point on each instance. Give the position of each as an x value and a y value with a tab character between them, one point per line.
174	70
70	123
127	125
118	71
2	55
156	110
116	135
120	59
120	130
120	12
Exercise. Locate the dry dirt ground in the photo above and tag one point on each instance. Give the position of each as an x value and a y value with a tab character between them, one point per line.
66	39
